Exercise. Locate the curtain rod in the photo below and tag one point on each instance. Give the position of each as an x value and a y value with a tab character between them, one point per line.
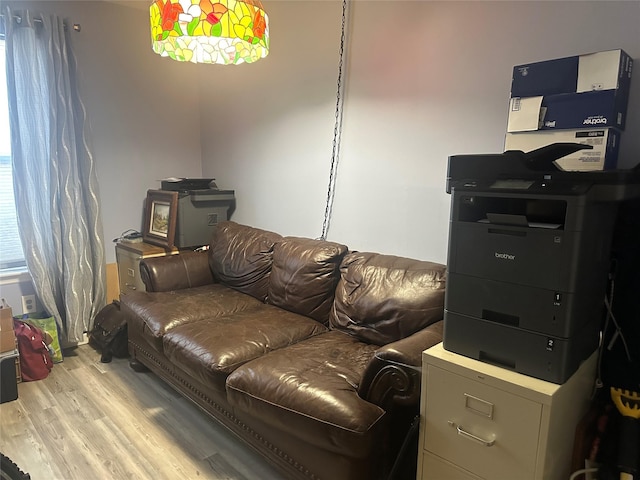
76	26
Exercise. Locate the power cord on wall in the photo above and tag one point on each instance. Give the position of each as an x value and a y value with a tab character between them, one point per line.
337	129
583	471
130	236
617	334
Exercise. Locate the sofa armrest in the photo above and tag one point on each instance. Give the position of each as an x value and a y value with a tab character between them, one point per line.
392	376
175	272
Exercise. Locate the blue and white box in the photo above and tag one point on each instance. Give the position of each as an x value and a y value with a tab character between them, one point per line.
601	108
606	70
570	93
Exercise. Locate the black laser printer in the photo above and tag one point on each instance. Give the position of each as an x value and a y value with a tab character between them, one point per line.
529	258
201	206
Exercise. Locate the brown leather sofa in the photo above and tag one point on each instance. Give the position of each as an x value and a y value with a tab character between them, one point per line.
308	352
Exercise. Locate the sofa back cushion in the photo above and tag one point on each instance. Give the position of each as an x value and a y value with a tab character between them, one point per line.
384	298
304	276
241	256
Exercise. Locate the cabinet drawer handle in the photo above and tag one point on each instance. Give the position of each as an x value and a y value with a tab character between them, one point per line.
132	287
464	433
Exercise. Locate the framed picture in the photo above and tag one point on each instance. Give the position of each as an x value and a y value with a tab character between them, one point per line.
160	218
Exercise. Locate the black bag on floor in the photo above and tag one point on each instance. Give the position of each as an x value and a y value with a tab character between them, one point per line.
109	332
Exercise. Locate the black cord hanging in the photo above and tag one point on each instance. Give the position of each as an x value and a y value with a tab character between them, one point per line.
337	129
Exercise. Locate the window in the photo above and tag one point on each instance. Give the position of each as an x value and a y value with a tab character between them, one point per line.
11	254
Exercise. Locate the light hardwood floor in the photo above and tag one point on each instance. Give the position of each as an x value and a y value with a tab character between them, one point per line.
88	420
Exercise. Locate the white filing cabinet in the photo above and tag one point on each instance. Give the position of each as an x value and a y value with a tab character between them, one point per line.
128	256
479	421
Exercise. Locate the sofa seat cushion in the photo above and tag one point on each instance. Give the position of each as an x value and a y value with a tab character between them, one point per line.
309	391
156	313
217	346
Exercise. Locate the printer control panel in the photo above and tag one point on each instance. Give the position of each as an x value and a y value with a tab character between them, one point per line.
540	186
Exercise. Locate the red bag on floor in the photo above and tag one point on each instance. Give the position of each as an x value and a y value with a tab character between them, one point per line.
35	359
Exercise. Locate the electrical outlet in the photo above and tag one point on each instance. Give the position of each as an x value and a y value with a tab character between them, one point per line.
28	303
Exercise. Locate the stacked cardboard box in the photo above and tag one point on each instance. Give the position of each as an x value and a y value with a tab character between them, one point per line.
7	335
8	357
579	99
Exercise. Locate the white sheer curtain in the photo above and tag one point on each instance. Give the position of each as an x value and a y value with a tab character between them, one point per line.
55	181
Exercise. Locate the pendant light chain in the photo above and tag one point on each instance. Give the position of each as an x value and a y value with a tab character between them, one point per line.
337	130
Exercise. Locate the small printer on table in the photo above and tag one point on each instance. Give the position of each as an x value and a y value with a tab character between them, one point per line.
201	206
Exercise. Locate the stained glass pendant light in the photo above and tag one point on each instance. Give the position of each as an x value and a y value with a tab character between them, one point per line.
227	32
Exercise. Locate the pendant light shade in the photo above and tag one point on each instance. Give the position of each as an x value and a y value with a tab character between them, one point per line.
210	31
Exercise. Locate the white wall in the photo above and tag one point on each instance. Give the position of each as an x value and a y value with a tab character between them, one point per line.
267	127
425	80
143	111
